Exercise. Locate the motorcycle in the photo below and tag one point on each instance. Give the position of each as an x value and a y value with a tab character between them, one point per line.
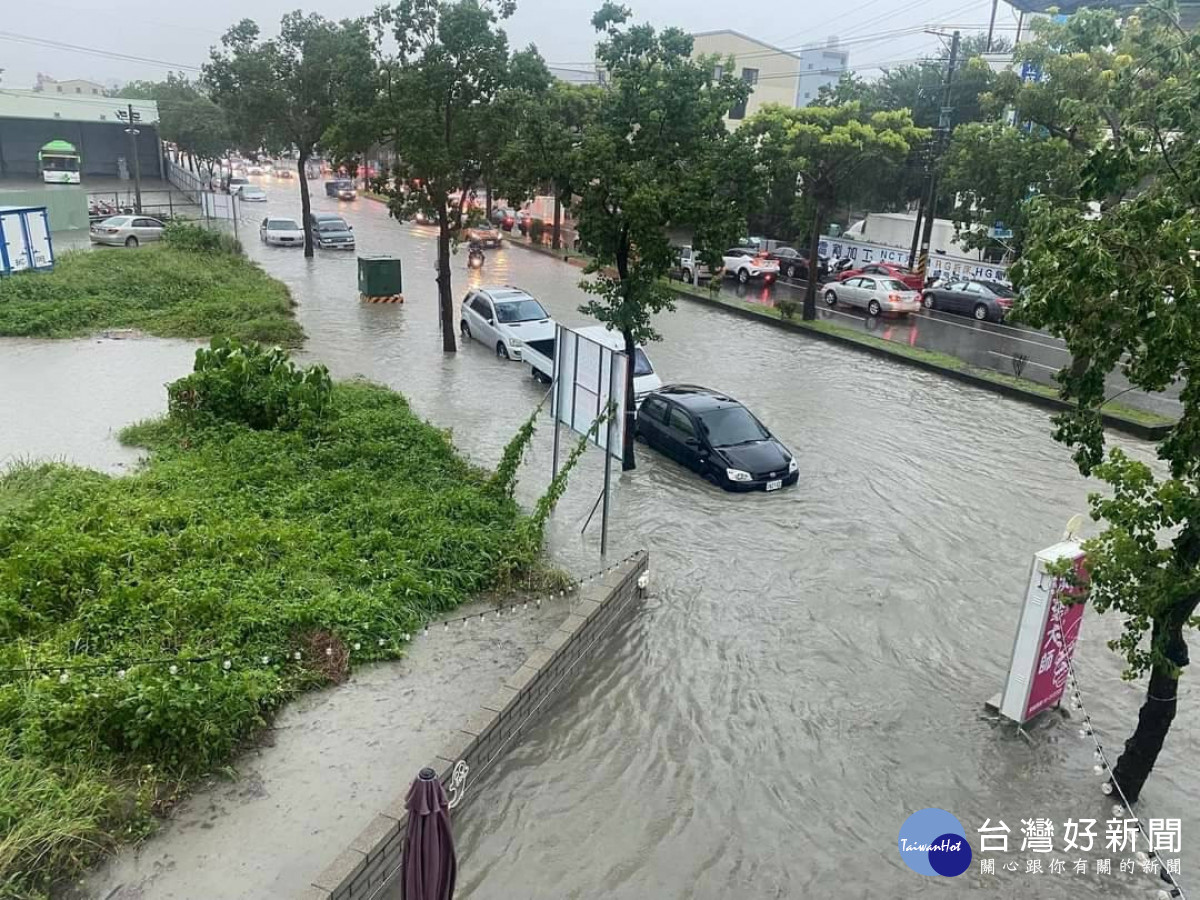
475	258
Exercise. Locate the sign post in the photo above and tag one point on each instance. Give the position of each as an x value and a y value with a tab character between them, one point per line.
1046	636
589	382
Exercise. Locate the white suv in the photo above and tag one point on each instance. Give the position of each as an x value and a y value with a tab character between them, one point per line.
505	318
692	268
747	263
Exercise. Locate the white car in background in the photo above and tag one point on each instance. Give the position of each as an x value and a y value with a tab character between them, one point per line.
745	263
127	231
252	193
505	318
281	232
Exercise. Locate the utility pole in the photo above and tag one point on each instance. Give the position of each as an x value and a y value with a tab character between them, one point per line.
942	139
992	25
131	118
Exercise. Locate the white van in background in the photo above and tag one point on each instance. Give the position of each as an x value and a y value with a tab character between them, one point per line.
540	356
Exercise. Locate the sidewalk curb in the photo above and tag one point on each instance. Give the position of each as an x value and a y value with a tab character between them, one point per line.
1117	423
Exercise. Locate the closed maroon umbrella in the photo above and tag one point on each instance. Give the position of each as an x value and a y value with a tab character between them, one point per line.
429	863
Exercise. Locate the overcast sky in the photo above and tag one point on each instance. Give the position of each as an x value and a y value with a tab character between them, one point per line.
181	33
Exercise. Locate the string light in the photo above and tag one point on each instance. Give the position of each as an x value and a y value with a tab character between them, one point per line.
1124	809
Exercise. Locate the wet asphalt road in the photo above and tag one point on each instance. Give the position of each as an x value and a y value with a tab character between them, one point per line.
811	665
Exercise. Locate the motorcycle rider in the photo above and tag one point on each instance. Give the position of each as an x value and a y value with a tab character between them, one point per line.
475	252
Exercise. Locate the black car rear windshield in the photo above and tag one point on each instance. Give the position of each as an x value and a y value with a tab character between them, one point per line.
732	425
520	311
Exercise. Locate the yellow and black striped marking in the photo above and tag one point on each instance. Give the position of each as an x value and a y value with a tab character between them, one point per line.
393	298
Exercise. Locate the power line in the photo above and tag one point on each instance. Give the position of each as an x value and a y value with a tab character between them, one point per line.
75	48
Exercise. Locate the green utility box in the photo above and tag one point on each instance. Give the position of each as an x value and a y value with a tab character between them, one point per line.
379	277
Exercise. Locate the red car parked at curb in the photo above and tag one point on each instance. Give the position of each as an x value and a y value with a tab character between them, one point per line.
911	280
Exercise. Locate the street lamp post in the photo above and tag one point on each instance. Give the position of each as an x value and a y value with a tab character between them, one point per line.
131	117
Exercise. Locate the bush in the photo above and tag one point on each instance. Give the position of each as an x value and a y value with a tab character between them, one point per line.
249	384
233	543
197	239
537	230
787	307
159	289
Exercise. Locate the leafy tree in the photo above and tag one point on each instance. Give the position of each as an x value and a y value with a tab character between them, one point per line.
286	92
655	158
540	153
823	149
993	168
187	117
891	185
436	107
1122	289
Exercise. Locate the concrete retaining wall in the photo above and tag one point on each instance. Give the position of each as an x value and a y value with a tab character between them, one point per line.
362	869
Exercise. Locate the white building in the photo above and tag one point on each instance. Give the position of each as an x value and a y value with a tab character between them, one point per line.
47	85
820	65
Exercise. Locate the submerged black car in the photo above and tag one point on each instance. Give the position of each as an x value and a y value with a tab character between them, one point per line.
714	435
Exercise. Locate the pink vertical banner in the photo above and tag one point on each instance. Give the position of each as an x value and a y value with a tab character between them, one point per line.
1057	645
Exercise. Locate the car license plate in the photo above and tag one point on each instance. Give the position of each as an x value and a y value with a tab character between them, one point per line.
775	485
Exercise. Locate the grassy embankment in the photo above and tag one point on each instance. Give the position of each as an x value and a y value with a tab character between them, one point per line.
188	286
283	529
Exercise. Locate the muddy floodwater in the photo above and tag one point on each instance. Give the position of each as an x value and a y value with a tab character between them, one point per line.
811	665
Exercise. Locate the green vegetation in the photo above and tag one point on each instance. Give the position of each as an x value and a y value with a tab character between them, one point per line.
283	529
932	357
192	285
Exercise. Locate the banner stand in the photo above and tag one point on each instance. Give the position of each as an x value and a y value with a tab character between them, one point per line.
1047	632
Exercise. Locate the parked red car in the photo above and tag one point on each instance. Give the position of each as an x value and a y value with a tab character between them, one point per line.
910	280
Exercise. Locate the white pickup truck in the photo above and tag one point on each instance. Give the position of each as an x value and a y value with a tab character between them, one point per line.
540	356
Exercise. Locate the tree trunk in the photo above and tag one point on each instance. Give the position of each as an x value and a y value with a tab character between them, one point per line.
628	463
445	302
1158	711
556	234
810	290
305	205
487	201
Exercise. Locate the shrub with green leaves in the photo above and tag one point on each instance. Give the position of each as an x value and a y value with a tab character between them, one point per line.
252	385
242	541
194	238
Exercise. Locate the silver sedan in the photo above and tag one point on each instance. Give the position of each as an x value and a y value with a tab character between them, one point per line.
874	294
127	231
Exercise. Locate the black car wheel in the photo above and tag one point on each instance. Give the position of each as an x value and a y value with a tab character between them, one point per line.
688	277
791	271
927	301
131	241
981	312
743	276
501	350
465	329
831	298
874	308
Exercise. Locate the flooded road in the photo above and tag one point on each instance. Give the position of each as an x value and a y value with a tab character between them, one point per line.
811	666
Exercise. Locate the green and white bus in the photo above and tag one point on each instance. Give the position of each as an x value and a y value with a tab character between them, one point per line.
59	162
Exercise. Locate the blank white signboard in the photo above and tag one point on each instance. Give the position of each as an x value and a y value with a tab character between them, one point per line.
587	376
